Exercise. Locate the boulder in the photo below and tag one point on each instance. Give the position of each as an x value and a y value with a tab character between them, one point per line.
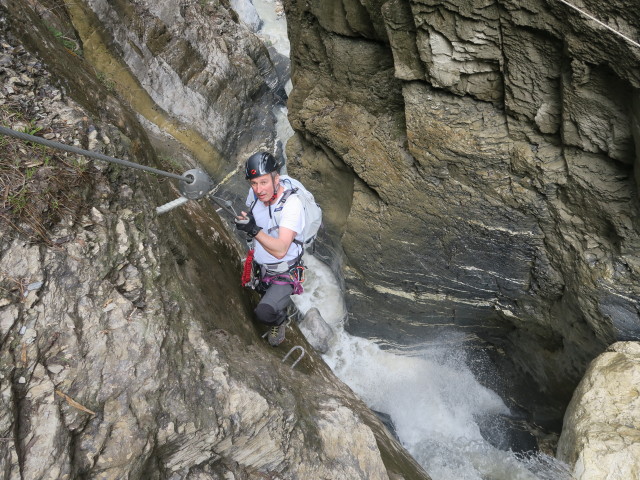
317	332
600	436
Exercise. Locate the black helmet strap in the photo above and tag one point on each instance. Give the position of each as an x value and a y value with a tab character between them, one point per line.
275	190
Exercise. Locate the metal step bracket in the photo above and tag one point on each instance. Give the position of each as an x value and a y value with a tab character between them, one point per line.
297	347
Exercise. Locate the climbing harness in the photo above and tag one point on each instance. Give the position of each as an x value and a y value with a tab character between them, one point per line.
259	277
633	42
294	277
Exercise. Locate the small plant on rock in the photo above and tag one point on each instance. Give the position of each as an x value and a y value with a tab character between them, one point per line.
38	185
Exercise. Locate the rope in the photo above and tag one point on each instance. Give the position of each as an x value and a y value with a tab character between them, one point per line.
87	153
633	42
248	267
229	175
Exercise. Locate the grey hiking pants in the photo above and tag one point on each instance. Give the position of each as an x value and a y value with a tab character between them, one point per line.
272	309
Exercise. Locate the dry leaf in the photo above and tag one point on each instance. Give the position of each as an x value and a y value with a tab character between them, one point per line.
73	403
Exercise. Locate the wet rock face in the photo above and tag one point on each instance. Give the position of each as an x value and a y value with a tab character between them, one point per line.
195	64
127	348
477	160
599	437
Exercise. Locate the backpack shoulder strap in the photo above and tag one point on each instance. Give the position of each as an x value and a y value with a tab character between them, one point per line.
277	213
253	205
287	193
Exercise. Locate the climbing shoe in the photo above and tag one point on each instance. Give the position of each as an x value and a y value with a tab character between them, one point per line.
276	334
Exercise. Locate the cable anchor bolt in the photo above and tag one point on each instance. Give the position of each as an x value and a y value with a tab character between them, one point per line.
194	185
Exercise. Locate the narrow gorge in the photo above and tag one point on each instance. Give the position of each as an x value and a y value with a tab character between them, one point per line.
477	165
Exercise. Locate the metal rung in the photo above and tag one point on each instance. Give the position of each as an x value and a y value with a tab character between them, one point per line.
171	205
297	347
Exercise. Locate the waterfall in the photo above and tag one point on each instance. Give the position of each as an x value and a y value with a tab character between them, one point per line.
429	392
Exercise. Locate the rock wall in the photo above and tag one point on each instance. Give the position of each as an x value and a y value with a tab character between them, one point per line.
600	436
476	161
127	348
192	70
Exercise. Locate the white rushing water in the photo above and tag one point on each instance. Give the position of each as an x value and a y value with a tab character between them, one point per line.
267	19
428	391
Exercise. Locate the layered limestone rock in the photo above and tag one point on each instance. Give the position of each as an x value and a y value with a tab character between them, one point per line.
127	348
600	435
476	160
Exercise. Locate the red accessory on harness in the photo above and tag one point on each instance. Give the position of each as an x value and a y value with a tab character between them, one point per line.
248	268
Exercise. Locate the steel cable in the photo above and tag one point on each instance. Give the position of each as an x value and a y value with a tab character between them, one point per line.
87	153
633	42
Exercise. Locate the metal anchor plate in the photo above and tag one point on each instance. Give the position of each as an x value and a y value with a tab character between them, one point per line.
196	185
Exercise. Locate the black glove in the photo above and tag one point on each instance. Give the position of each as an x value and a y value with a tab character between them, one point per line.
248	225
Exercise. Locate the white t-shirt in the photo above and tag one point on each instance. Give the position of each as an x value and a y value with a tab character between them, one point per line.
292	218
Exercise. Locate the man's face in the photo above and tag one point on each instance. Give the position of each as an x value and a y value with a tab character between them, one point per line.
262	186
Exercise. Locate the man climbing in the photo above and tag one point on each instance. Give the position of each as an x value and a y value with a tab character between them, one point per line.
275	221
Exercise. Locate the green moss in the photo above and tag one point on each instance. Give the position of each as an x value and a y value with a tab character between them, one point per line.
66	42
107	81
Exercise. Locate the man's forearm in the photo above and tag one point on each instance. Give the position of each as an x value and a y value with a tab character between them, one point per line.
275	246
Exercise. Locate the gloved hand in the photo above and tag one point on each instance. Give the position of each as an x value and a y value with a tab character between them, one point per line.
247	224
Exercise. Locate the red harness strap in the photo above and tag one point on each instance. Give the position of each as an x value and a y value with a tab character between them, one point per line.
248	268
